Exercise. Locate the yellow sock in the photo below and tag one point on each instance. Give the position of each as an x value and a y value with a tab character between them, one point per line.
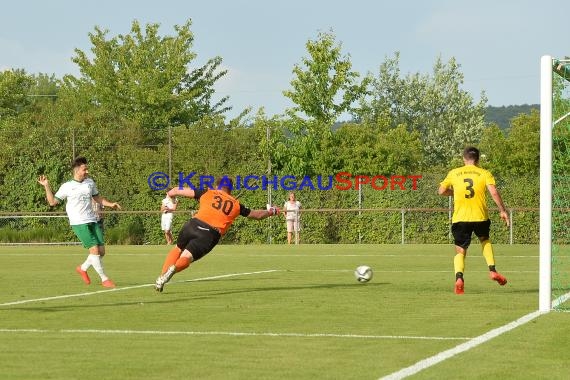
459	262
488	252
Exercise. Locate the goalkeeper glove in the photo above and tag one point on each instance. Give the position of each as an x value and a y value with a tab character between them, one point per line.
273	210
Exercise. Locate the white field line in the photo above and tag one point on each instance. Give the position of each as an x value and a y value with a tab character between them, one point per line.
86	294
305	255
472	343
228	333
406	271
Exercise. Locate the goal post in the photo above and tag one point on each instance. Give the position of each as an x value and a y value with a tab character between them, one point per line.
554	183
545	227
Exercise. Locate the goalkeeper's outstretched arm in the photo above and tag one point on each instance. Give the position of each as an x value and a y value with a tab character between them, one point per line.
262	214
184	192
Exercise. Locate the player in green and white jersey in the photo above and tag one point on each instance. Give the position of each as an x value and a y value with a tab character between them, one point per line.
78	194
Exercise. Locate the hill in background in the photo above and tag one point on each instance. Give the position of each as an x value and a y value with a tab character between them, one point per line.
502	115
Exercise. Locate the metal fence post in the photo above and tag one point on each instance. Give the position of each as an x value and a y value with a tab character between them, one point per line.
511	226
403	211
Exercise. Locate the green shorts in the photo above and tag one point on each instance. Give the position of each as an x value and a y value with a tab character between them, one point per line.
90	234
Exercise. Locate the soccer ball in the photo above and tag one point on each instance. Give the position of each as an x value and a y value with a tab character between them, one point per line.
363	273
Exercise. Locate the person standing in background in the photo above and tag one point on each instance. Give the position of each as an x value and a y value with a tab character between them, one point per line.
167	207
292	218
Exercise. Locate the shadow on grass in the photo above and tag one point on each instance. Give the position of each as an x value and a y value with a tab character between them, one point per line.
178	292
172	295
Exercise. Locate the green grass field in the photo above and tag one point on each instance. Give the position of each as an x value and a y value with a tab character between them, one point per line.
274	312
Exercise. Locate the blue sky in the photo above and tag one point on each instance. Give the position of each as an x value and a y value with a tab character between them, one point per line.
498	44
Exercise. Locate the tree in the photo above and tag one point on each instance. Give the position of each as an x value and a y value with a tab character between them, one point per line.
23	97
435	106
15	87
364	149
524	144
147	78
323	89
495	151
46	88
516	154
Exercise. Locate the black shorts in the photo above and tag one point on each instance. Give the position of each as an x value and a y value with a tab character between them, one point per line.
462	232
197	237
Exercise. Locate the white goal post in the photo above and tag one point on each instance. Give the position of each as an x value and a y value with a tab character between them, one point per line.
554	183
545	228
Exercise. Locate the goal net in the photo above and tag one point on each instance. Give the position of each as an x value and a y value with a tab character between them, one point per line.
555	184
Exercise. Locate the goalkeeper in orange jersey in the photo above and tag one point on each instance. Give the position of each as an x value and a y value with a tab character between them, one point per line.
468	185
216	212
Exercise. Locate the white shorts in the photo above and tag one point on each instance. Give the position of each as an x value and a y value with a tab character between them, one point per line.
166	221
293	226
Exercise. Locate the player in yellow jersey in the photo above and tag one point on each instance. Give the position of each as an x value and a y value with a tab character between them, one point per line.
217	211
468	186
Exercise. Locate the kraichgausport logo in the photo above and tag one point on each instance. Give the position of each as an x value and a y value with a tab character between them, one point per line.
341	181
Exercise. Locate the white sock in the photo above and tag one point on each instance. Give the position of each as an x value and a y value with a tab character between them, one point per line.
98	266
86	264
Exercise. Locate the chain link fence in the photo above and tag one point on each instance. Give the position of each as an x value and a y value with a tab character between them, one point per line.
318	226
